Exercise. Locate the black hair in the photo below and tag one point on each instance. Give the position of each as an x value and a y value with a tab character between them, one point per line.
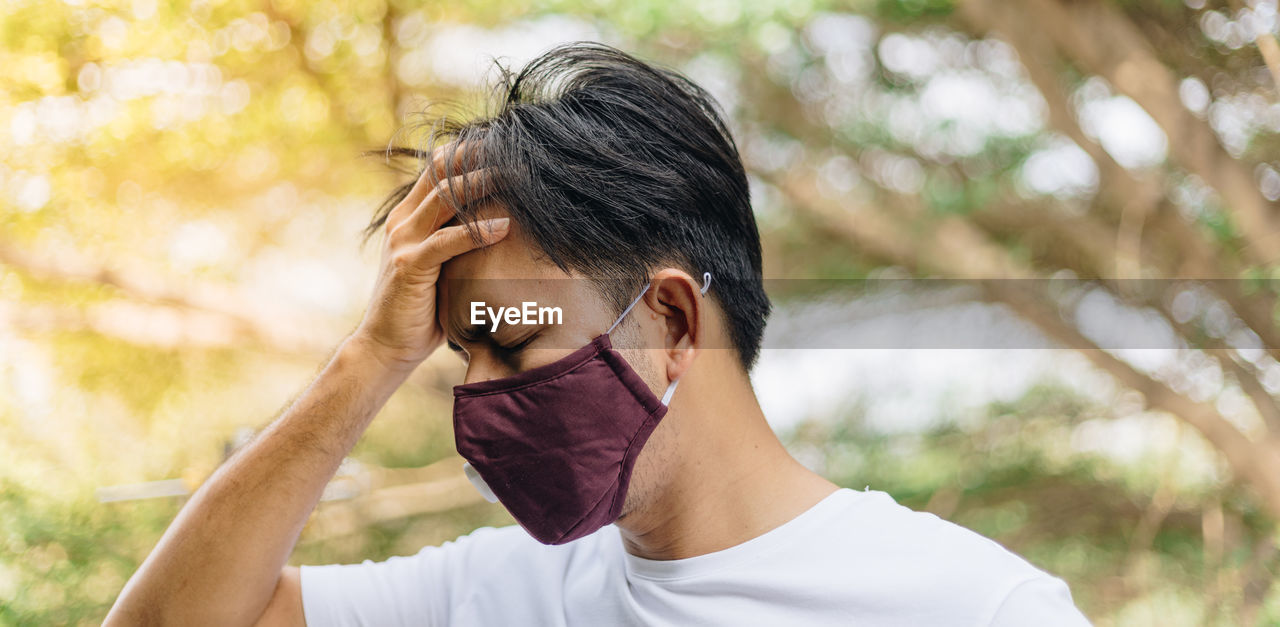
615	167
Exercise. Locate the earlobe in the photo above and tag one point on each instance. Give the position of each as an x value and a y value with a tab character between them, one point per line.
681	358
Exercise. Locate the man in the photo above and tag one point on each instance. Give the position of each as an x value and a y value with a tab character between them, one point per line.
624	436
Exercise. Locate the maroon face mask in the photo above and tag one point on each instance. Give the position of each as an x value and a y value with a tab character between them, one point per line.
556	444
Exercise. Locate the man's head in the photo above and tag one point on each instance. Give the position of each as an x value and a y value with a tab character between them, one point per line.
614	173
613	169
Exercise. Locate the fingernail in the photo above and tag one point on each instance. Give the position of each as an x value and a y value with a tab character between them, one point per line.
500	224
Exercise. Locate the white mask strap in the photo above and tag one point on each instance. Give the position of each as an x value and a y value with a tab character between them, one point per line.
706	285
671	390
628	309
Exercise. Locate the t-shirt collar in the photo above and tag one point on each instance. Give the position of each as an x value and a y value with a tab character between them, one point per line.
757	547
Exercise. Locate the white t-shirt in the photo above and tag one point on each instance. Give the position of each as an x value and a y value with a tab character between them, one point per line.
855	558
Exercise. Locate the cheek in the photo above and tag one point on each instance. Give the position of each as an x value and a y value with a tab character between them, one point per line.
653	471
649	364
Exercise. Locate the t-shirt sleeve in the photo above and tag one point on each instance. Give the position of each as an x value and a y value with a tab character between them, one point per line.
1044	601
406	590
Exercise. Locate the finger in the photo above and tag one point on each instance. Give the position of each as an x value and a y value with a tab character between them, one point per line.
438	207
454	158
452	241
446	159
456	192
404	208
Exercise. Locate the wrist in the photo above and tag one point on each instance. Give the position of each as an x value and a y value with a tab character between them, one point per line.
363	354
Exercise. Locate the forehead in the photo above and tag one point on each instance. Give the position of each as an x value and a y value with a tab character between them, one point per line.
510	272
515	257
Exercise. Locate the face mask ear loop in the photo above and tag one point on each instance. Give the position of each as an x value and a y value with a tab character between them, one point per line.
671	391
628	309
671	388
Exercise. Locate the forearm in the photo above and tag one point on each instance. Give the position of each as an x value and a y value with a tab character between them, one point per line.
219	561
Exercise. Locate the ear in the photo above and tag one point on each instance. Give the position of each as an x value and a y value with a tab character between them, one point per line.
676	297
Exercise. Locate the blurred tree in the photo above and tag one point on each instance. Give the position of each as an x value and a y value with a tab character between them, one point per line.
180	199
1007	476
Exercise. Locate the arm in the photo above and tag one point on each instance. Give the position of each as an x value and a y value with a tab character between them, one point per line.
221	558
221	561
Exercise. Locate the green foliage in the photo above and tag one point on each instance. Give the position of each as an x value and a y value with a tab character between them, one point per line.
913	10
185	185
1009	475
63	558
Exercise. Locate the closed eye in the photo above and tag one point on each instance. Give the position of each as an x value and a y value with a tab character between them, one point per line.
515	348
457	349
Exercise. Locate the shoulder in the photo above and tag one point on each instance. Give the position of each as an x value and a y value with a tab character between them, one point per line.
504	549
1043	600
949	565
433	583
875	522
494	553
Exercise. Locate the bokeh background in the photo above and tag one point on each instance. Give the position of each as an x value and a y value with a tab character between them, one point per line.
182	192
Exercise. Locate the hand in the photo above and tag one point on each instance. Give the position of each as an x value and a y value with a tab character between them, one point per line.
400	327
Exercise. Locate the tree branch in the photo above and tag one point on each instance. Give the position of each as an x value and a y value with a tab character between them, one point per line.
1257	463
1139	202
1128	62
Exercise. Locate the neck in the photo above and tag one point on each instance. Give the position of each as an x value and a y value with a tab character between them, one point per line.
732	481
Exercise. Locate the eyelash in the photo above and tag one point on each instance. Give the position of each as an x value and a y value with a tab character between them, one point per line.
506	349
516	347
455	348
